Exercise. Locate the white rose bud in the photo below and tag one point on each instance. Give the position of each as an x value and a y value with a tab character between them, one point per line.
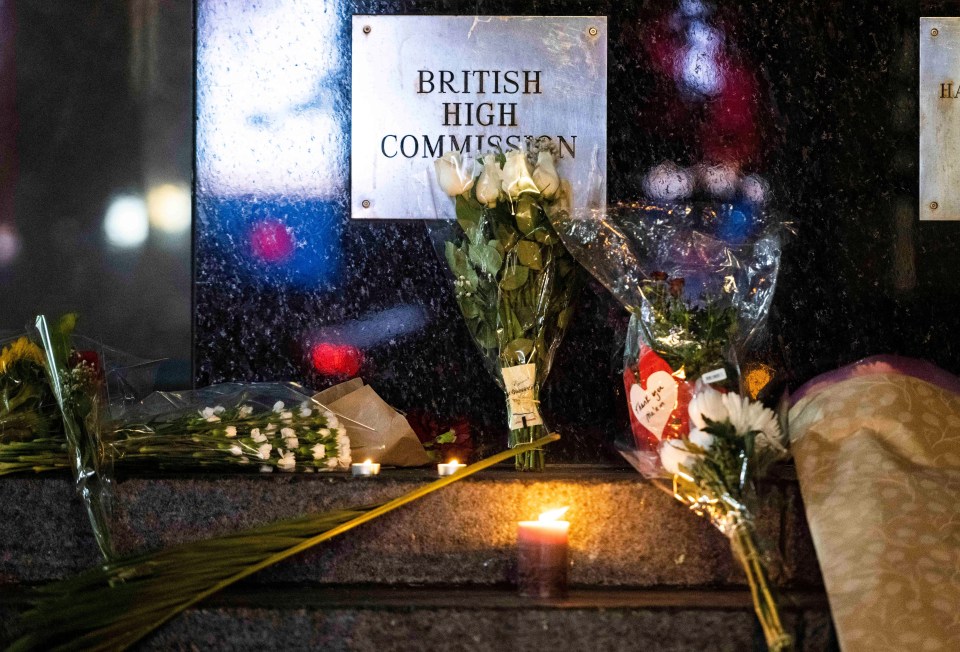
236	450
292	442
264	451
545	175
454	175
287	462
257	436
488	185
516	178
319	451
231	431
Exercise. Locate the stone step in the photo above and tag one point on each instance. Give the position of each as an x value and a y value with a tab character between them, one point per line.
387	619
625	532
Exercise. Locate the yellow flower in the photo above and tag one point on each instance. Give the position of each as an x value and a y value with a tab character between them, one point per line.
21	349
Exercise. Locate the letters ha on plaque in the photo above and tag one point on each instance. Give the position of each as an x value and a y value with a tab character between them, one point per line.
939	118
423	86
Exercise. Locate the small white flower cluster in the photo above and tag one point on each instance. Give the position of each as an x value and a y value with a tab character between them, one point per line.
677	455
463	287
282	436
669	182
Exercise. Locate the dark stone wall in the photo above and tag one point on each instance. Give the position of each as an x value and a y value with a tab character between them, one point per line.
836	117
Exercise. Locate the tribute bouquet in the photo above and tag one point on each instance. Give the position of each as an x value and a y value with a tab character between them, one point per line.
698	278
255	425
513	279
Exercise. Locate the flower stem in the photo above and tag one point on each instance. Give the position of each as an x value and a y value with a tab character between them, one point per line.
743	541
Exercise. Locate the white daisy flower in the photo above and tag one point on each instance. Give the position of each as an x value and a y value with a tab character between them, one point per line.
264	451
231	431
675	457
707	403
701	439
257	436
747	416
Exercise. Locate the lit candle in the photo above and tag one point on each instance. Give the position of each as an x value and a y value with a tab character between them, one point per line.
449	468
366	469
544	554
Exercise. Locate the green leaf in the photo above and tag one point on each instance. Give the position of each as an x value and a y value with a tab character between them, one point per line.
486	258
448	437
515	277
468	212
486	338
507	236
519	349
529	254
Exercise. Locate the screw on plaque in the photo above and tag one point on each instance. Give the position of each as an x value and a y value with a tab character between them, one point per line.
593	31
366	29
934	32
934	205
365	203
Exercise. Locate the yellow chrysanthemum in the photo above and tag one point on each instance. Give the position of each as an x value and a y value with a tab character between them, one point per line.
20	349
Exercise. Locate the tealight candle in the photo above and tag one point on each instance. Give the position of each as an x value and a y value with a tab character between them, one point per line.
365	469
544	554
449	468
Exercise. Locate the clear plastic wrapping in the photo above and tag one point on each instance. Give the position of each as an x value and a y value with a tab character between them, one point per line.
698	279
513	279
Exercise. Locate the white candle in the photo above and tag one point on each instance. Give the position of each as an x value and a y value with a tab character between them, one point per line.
365	469
449	468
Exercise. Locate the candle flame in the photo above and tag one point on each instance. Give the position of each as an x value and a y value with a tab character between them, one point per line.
368	463
453	461
553	514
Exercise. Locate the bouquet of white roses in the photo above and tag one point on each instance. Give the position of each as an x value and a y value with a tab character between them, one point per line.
263	426
513	279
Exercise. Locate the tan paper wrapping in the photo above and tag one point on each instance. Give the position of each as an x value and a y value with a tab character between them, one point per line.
878	458
391	442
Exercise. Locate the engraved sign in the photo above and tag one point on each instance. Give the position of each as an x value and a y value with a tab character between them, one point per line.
939	118
423	86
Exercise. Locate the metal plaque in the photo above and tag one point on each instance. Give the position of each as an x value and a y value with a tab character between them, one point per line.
426	85
939	118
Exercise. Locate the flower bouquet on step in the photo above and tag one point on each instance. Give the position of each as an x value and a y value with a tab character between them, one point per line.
513	279
697	274
263	426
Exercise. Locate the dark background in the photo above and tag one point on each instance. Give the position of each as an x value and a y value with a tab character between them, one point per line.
101	103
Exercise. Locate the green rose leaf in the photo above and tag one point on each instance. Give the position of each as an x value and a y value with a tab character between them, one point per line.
514	277
519	350
529	254
486	258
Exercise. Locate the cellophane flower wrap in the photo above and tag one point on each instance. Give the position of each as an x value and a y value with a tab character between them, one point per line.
698	279
513	279
239	426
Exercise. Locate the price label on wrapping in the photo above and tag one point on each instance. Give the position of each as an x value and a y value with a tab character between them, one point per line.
522	406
